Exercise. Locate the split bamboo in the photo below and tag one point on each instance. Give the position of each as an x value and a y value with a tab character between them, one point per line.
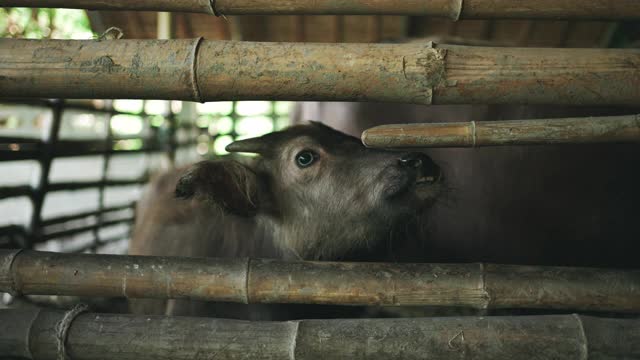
453	9
272	281
612	129
197	70
35	334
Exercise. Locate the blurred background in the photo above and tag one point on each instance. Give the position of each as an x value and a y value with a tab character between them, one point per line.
98	154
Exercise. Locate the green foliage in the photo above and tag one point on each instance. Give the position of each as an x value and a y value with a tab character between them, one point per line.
44	23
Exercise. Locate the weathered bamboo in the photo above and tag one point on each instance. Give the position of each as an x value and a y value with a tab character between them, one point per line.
33	334
538	76
272	281
221	70
195	6
612	129
454	9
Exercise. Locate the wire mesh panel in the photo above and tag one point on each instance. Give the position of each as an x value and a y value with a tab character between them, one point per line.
73	170
76	180
227	121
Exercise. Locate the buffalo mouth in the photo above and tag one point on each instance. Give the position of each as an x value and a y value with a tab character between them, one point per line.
409	182
428	179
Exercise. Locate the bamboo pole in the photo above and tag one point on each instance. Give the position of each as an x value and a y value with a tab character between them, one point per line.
272	281
612	129
453	9
197	70
194	6
34	334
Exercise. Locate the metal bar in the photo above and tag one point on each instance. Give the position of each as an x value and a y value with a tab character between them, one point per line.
453	9
67	106
12	236
26	190
108	145
71	148
22	141
12	229
18	155
173	143
101	243
36	333
71	186
63	219
478	286
608	129
51	103
226	70
15	191
45	158
66	233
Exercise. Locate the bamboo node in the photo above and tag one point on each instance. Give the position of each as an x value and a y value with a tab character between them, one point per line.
583	335
294	339
486	295
426	68
435	68
6	266
456	9
459	335
62	329
473	134
247	282
112	33
212	5
195	88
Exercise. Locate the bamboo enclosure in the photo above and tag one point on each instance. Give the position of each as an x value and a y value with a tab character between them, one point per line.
613	129
272	281
422	73
453	9
419	73
35	334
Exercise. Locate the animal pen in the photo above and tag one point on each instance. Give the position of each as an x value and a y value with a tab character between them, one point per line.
327	65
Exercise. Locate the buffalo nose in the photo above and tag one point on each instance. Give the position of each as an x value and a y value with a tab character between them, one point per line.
413	160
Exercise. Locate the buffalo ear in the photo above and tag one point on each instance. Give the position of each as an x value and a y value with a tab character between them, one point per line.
228	184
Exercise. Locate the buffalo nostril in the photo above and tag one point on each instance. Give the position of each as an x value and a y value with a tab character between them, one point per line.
410	160
437	174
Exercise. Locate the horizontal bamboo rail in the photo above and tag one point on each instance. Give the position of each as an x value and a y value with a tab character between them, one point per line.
197	70
453	9
611	129
271	281
36	334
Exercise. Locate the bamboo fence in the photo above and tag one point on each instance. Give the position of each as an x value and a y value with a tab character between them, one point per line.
481	286
453	9
612	129
423	73
49	334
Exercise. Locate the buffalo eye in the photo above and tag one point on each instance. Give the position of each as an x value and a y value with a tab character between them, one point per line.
305	158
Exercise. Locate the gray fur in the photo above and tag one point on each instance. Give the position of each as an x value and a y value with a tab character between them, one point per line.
350	198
